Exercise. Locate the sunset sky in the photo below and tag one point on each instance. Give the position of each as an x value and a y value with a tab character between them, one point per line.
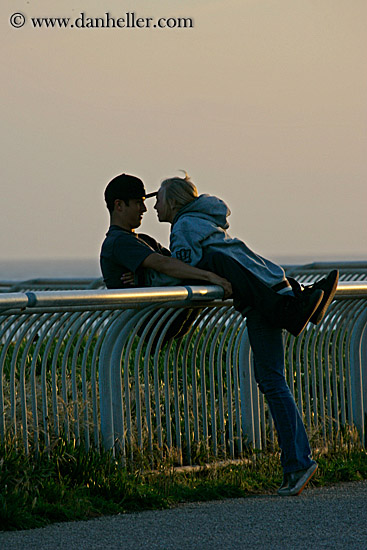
263	102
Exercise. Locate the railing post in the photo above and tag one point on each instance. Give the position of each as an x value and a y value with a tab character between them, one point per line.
364	377
247	405
106	359
357	377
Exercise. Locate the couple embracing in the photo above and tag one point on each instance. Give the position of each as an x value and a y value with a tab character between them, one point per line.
202	250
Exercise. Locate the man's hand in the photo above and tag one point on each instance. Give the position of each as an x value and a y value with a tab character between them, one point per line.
226	285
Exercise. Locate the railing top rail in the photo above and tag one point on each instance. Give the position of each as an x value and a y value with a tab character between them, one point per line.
351	289
122	297
317	266
130	298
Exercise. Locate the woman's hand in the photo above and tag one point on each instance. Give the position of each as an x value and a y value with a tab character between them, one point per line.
128	279
226	285
180	270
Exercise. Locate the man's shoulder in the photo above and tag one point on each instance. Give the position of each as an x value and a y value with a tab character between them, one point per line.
119	238
116	234
114	231
150	241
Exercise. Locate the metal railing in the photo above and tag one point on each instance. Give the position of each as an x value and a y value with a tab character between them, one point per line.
50	284
108	367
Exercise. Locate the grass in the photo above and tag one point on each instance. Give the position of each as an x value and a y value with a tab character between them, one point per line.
71	484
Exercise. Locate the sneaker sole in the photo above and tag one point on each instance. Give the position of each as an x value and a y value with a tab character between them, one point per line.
296	331
297	490
319	314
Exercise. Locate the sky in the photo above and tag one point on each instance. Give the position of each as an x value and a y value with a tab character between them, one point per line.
262	102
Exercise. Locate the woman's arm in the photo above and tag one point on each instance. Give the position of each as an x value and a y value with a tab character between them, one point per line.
180	270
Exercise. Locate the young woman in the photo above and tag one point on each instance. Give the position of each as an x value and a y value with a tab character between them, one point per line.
263	295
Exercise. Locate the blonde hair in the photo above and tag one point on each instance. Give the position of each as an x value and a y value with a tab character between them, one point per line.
181	191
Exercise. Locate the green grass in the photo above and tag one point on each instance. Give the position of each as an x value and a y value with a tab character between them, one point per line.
70	484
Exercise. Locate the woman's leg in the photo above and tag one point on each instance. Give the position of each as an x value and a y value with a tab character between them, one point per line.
283	311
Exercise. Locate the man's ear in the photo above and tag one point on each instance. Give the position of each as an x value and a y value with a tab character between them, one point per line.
118	205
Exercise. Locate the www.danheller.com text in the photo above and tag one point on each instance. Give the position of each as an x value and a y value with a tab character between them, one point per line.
128	20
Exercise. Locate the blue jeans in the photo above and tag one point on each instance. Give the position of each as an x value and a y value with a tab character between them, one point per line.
268	350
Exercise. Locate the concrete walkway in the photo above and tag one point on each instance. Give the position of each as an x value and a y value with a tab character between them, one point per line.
333	518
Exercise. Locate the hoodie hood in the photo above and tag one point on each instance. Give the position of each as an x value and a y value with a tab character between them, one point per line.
207	208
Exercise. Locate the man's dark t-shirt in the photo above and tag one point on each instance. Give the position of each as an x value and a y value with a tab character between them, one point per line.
124	251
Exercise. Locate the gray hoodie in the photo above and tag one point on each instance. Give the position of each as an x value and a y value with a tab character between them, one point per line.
201	226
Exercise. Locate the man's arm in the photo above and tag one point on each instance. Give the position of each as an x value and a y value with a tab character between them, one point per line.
180	270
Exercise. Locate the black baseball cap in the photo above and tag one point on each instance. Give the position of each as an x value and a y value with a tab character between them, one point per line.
125	187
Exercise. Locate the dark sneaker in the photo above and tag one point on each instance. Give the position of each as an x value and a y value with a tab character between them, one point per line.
284	482
298	310
294	482
328	285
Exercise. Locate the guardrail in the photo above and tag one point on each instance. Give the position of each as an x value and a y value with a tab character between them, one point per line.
50	284
102	367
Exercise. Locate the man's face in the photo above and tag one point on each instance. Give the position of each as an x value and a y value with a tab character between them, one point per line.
161	207
132	214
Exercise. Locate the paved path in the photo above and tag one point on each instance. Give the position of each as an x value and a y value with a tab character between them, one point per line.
333	518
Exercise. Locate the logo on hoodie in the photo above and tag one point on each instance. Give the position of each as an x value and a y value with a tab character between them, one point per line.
184	254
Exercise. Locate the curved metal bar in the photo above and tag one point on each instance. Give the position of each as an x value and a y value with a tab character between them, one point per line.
12	332
82	331
136	323
308	371
348	336
152	328
246	392
345	393
356	370
48	320
74	330
228	338
233	358
107	321
95	325
109	360
209	335
167	396
26	326
204	407
67	335
192	341
161	329
38	322
218	346
56	338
